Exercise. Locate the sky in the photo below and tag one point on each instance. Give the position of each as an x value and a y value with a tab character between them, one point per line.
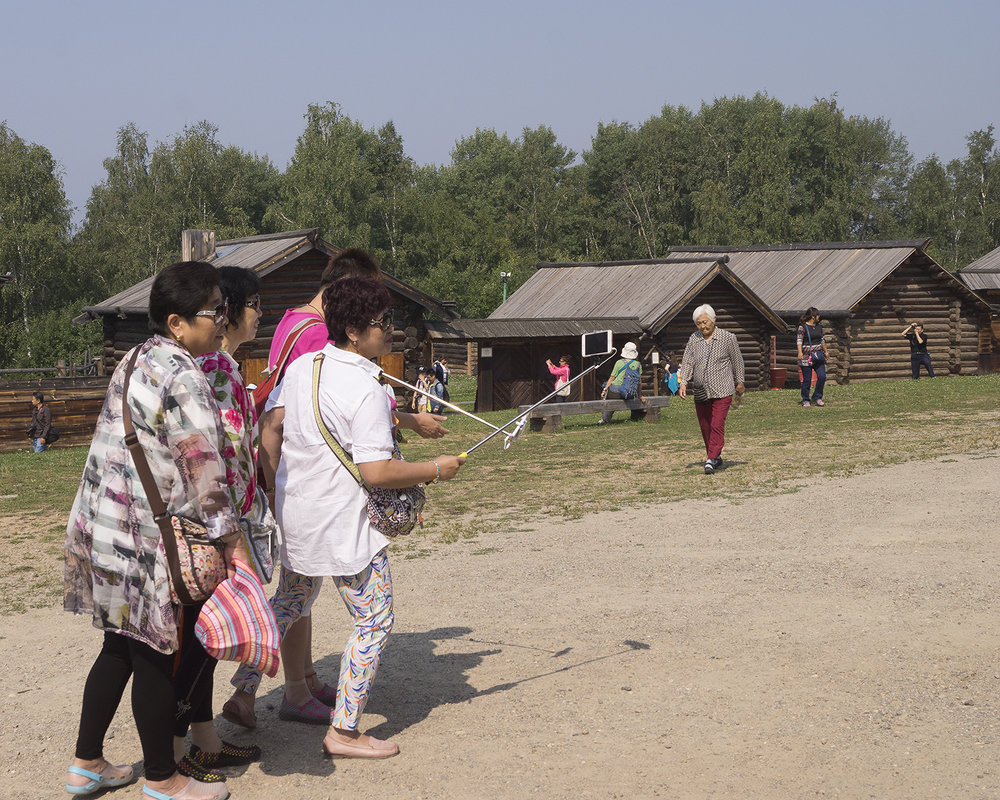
75	72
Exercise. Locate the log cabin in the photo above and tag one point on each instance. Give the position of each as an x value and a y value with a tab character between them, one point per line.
289	266
866	292
983	277
649	302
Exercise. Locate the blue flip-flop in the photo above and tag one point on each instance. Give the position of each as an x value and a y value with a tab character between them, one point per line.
97	780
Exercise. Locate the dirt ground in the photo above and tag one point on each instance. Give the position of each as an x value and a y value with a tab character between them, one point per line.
837	641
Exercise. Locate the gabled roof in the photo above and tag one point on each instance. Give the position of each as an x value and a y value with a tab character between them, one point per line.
529	328
263	254
983	273
832	276
651	292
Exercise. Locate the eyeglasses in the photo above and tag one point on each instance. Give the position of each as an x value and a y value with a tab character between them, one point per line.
218	314
384	323
254	304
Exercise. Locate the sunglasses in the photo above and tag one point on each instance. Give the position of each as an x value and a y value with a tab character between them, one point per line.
254	304
385	322
218	314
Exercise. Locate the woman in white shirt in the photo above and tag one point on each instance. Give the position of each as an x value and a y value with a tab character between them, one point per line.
321	508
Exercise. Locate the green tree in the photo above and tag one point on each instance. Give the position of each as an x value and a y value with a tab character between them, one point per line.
977	189
330	182
34	238
931	210
135	216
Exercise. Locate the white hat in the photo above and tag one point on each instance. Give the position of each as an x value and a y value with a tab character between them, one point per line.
630	350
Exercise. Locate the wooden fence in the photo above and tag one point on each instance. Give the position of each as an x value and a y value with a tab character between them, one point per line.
462	357
75	404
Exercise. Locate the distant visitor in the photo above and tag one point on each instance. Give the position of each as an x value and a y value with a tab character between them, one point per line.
914	332
40	431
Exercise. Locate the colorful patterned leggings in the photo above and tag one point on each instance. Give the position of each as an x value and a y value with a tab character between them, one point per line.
292	600
368	596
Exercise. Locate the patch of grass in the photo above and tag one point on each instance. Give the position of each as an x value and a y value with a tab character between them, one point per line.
42	482
773	446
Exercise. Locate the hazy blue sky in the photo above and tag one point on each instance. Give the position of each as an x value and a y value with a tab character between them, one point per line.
74	72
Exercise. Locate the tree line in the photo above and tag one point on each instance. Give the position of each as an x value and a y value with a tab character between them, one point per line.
738	171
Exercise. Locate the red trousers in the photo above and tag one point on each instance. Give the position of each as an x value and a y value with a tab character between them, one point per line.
712	418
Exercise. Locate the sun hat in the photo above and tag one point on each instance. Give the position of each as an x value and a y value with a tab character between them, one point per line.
630	350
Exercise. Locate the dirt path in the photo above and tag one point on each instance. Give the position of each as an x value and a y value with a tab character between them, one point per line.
839	641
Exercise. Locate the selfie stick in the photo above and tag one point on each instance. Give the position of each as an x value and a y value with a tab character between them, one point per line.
510	435
521	418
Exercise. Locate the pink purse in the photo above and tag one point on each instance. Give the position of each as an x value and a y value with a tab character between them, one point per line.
237	623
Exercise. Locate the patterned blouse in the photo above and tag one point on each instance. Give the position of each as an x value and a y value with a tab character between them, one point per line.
802	339
115	567
716	363
239	420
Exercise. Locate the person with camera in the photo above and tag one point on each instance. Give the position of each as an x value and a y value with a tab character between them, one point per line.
812	356
561	374
914	332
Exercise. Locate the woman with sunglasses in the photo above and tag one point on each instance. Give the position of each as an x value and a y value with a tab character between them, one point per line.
241	294
115	567
308	698
321	507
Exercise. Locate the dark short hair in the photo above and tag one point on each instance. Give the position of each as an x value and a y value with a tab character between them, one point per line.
183	289
353	303
38	396
351	263
237	285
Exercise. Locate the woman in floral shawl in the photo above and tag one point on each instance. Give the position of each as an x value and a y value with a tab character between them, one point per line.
241	293
115	565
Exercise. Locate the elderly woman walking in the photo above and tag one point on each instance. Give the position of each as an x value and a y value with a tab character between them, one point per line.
712	370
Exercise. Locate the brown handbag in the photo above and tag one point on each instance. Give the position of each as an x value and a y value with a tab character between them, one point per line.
195	563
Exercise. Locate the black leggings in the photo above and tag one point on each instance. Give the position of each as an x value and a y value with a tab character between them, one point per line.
194	677
152	702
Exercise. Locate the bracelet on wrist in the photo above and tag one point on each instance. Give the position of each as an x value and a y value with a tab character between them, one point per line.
438	468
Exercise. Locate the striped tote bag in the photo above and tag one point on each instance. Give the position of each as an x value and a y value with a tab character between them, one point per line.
237	623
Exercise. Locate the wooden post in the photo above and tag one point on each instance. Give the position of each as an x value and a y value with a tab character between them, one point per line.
197	245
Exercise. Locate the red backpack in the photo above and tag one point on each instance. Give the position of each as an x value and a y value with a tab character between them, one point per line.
277	372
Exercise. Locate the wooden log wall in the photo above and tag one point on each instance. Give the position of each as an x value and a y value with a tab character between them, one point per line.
914	292
457	354
734	314
75	403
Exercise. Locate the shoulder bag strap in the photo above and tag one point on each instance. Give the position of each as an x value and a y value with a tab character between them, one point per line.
806	326
156	504
333	444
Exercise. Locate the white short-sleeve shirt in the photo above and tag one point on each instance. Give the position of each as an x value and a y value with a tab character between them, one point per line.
319	505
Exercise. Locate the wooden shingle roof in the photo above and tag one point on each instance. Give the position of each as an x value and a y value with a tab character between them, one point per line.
492	329
650	291
263	254
983	273
832	276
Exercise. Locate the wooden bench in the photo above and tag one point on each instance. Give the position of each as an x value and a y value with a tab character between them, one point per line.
548	416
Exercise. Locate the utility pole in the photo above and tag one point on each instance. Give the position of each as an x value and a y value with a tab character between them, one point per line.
503	277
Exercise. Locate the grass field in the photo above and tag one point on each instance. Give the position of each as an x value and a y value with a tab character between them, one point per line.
772	445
